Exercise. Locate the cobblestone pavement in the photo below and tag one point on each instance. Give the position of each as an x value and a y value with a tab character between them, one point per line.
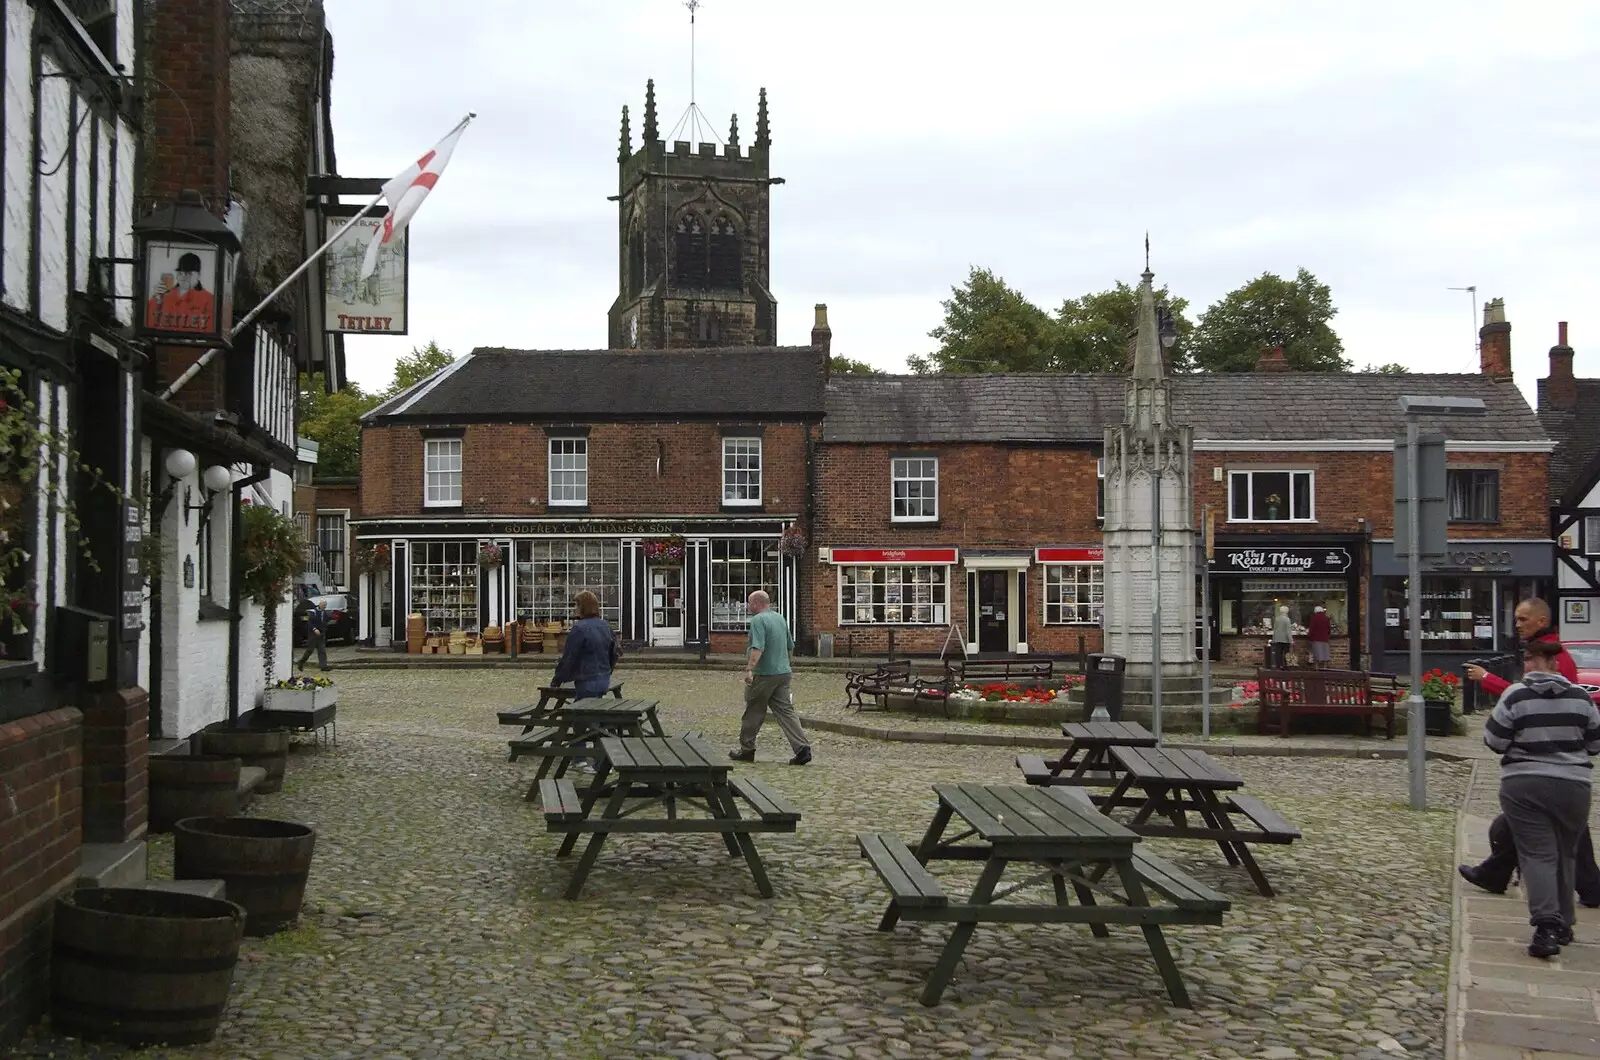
436	927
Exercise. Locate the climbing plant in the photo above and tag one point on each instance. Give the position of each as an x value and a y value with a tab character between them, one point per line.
269	557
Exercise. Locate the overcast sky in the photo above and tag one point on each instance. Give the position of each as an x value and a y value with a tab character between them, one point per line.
1394	149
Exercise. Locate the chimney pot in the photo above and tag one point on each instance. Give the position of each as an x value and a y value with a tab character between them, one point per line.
1494	341
1561	333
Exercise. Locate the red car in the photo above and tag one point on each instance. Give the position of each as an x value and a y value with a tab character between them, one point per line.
1586	654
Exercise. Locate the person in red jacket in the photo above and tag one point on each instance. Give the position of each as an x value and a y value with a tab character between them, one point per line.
1319	631
1533	623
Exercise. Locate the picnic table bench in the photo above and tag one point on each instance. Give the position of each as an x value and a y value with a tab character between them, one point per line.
1171	784
666	771
550	697
1076	848
1092	740
576	728
1285	693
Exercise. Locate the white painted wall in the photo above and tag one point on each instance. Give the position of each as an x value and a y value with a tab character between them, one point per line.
18	160
83	122
1569	580
55	177
122	229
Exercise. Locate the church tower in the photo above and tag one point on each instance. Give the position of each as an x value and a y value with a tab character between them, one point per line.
692	239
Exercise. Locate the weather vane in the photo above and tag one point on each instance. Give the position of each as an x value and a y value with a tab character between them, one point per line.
693	6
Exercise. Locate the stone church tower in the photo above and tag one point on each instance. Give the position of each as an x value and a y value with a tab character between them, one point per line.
1149	447
692	240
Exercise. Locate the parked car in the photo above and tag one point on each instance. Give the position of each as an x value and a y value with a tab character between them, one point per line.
1586	654
341	619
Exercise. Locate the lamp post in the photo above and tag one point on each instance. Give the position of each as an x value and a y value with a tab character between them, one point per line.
1168	333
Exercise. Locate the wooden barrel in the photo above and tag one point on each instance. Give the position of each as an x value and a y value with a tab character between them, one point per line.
141	966
267	748
264	864
192	786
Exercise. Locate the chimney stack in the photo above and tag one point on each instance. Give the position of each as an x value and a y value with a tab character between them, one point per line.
821	334
1561	389
1272	360
1494	341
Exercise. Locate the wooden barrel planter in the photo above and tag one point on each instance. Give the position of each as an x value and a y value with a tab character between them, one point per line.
264	864
192	786
267	748
142	967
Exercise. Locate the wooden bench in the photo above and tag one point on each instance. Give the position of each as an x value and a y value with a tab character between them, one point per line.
560	801
528	717
1264	817
773	808
530	743
1175	885
1285	693
1035	770
909	883
958	672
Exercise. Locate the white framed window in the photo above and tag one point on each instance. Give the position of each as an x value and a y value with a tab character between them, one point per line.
1591	535
441	472
444	584
740	566
1074	593
569	471
893	595
550	572
1271	496
741	470
331	547
914	489
1100	488
1472	495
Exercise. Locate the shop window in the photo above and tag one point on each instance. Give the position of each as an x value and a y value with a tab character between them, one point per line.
1100	488
741	471
1473	495
739	568
444	584
331	547
1591	535
569	471
1247	606
914	492
689	250
550	573
1270	497
893	595
1073	593
441	472
1457	615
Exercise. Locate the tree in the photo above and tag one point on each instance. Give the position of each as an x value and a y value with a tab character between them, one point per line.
1094	329
850	366
1270	311
1392	368
333	421
414	367
988	327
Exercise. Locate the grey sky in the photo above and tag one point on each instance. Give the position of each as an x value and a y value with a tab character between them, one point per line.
1395	149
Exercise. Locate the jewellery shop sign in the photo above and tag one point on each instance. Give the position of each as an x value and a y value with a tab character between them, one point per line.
1272	560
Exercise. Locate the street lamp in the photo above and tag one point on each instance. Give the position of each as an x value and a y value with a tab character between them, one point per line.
1411	407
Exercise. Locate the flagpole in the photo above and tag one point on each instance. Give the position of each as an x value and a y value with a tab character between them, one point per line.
260	307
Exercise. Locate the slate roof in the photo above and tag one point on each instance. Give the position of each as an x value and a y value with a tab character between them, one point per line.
499	384
1575	465
1076	408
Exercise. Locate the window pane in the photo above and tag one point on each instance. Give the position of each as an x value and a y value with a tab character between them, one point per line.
444	584
550	573
1302	495
1269	495
1240	506
898	595
914	488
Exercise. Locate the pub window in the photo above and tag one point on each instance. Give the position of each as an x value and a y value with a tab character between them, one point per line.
914	489
741	471
724	266
441	472
550	573
1073	593
689	248
1591	535
892	595
569	471
1473	495
738	568
1271	496
330	545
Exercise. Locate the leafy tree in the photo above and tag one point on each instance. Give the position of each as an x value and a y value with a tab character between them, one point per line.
988	327
414	367
1392	368
1270	311
333	421
1095	328
850	366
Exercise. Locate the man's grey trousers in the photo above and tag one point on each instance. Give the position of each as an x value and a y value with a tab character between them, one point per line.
770	693
1547	817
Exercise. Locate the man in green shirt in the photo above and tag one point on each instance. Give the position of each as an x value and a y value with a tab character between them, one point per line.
766	683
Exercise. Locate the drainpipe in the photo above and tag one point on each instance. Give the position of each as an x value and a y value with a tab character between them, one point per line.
234	572
158	508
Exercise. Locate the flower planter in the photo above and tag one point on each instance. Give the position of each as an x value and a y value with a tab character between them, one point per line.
264	864
141	966
191	786
1437	717
300	699
267	748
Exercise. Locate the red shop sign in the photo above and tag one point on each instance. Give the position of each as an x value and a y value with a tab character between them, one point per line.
1071	555
895	555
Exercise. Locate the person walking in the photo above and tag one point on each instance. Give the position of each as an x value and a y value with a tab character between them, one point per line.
1319	631
316	635
766	683
1282	638
1546	730
589	656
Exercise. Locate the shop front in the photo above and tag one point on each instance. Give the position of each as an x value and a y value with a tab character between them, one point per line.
1252	576
1468	601
884	593
660	583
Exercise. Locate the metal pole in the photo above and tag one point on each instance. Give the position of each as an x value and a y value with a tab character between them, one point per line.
1155	587
1205	626
1415	747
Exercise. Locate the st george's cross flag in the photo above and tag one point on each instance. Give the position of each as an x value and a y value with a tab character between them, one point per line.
405	193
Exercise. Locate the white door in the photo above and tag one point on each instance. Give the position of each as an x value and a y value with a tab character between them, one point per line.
666	607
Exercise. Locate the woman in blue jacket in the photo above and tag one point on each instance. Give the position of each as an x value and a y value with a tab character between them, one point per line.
590	653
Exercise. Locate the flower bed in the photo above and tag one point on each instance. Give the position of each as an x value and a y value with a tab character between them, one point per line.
300	693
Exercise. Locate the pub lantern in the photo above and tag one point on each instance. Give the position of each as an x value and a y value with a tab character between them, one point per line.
188	257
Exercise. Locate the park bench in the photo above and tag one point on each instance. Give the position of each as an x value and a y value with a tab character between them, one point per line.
1286	693
890	678
958	672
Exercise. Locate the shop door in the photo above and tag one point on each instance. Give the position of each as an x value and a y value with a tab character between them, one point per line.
666	607
994	606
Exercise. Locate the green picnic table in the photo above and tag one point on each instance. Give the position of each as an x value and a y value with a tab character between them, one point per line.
576	729
551	697
1088	759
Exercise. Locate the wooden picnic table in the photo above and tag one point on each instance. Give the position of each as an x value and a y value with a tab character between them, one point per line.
1042	828
1093	740
550	698
666	771
1171	784
575	730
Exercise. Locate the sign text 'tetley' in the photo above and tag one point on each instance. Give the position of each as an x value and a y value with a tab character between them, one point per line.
350	323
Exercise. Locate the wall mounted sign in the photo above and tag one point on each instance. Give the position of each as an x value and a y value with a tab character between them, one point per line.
933	556
1282	560
1576	612
181	280
376	304
1474	559
1070	555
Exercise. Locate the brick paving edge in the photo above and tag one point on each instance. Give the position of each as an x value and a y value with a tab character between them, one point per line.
1454	1014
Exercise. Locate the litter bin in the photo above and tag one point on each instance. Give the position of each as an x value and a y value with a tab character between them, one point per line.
1473	697
1102	686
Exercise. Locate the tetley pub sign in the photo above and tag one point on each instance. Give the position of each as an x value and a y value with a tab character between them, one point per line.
1282	560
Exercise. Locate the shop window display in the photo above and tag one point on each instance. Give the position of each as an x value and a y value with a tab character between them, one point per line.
739	568
444	584
1248	609
892	595
550	573
1457	614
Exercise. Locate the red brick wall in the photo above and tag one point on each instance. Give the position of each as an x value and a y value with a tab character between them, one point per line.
186	47
336	495
41	793
504	465
116	742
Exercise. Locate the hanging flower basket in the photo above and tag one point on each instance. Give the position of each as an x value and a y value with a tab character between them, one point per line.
665	548
372	559
793	541
489	555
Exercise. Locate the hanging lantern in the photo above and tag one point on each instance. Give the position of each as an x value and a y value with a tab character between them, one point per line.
188	259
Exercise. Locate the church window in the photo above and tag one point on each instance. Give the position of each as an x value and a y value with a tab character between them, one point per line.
724	265
690	251
635	264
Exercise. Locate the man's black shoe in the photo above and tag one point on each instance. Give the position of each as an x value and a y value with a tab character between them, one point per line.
1475	876
742	756
1546	941
802	757
1564	936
